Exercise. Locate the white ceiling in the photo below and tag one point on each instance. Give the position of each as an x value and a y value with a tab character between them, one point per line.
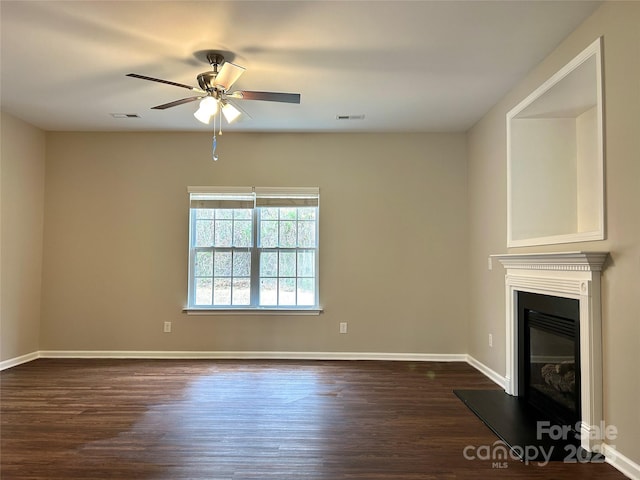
407	66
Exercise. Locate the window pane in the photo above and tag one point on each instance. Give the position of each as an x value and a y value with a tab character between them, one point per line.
287	291
306	234
268	234
204	264
222	264
242	264
223	233
269	264
242	233
268	213
306	291
242	213
204	233
222	291
268	291
306	263
287	264
307	213
205	213
241	291
224	213
204	291
288	213
288	236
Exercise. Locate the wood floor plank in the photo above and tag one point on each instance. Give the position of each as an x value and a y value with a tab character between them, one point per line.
245	420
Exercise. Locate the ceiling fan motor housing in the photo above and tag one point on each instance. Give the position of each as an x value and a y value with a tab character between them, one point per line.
207	81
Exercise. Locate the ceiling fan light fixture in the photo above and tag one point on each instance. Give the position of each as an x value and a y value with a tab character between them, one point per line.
230	112
208	108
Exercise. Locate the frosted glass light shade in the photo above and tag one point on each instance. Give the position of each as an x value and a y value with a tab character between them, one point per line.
208	108
230	112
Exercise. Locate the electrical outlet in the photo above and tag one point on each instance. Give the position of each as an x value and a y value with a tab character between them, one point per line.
490	340
167	327
343	327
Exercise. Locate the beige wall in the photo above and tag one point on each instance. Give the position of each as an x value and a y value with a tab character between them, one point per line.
618	22
22	208
393	226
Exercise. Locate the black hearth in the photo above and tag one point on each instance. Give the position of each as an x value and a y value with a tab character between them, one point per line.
548	372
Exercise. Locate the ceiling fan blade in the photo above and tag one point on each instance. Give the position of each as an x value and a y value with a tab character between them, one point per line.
266	96
229	73
159	80
175	103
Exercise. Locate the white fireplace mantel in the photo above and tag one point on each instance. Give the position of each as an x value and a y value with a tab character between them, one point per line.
569	275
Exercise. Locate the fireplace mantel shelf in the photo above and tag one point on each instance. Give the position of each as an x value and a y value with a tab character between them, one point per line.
566	261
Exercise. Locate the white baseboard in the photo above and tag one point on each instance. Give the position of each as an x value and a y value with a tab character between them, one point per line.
259	355
12	362
621	463
487	372
254	355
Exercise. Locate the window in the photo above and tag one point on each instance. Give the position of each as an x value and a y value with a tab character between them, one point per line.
253	248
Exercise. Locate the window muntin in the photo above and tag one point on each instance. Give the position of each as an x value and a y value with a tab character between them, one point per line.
260	257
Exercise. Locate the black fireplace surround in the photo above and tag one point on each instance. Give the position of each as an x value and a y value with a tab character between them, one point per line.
549	356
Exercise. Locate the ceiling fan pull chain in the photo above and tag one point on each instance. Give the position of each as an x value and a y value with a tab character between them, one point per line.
215	141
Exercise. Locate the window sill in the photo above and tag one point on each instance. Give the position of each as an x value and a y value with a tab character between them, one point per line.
253	311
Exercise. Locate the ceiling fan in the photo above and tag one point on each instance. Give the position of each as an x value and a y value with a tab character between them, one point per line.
214	94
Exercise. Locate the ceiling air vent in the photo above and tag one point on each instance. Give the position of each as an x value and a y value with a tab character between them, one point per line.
350	117
125	115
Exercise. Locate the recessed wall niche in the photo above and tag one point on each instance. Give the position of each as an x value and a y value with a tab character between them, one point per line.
555	157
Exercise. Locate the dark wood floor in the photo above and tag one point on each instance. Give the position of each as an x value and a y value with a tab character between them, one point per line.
218	420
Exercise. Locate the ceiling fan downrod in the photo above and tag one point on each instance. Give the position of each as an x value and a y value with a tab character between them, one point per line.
215	60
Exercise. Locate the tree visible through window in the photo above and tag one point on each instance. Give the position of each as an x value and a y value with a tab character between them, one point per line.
253	248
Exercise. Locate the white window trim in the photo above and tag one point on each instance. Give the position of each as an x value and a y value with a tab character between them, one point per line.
276	192
254	311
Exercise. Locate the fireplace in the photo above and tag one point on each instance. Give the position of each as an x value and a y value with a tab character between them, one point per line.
575	277
549	356
552	399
